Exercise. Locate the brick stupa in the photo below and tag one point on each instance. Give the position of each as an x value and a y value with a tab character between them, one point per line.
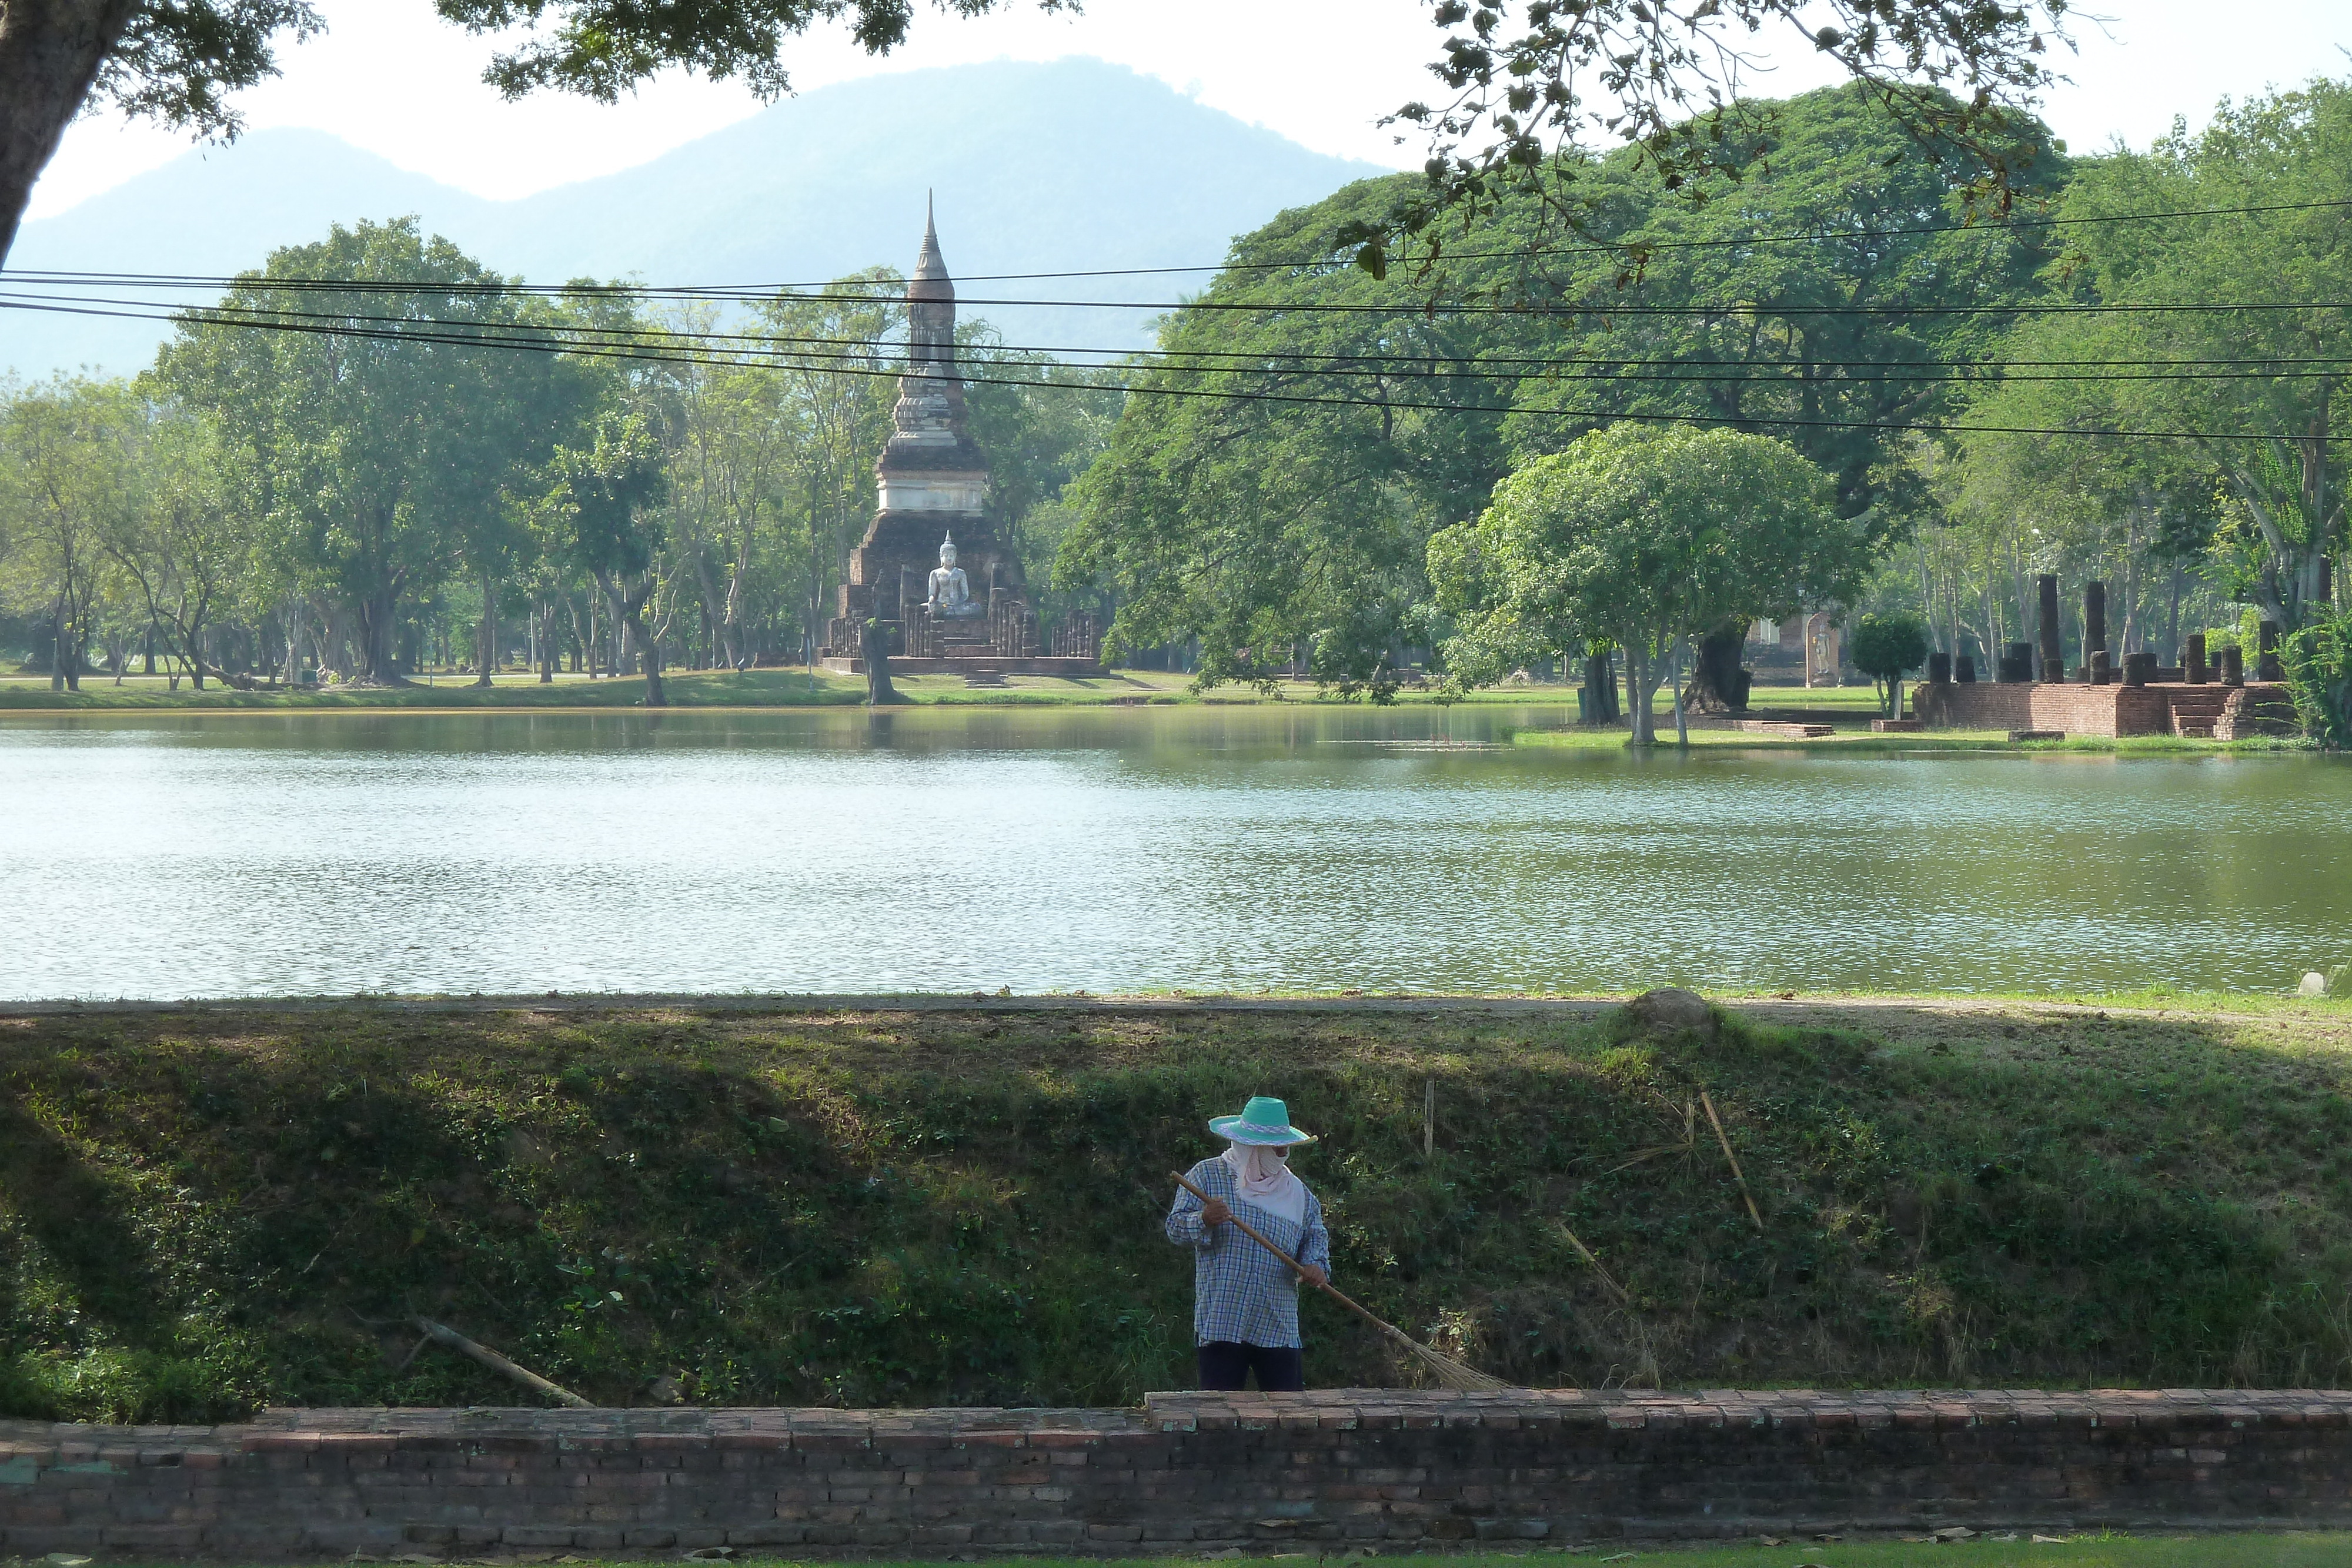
931	480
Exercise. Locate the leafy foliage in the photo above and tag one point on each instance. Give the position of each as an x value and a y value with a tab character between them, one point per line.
1885	648
1647	538
2318	661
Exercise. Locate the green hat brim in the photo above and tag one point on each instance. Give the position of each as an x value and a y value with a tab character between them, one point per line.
1234	1130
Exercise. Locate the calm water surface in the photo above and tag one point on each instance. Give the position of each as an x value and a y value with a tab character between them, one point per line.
1125	849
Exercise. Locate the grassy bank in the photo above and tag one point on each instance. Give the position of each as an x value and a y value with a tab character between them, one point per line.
203	1210
780	688
1859	738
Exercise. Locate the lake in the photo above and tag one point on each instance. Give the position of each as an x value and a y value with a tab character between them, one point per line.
1204	848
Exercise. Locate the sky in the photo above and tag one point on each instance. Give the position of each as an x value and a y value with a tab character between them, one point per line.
391	79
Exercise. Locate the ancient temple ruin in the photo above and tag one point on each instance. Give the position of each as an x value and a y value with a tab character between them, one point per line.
933	567
2035	693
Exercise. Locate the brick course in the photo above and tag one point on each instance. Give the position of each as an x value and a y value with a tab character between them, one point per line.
1188	1470
2107	710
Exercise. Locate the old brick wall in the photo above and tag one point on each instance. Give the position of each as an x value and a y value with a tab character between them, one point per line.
1370	1465
2110	710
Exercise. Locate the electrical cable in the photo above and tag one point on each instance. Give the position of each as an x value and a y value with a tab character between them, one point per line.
1334	259
542	345
1380	367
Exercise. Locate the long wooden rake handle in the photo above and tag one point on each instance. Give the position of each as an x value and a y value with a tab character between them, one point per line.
1329	1289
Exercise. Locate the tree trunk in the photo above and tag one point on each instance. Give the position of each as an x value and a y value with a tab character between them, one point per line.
1719	684
1682	719
649	657
50	52
373	640
873	648
1641	693
486	635
58	645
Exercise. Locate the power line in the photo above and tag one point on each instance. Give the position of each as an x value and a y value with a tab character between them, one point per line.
1742	309
1335	259
1392	367
542	345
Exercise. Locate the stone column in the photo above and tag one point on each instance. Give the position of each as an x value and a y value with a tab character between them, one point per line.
2054	653
1939	669
2233	665
1964	669
2193	659
2267	666
2138	667
2096	663
2016	664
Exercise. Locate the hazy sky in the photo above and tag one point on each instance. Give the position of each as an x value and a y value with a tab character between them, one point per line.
391	79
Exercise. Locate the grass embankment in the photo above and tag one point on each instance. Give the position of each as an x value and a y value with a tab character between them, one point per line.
2284	1549
698	688
786	688
1860	738
207	1209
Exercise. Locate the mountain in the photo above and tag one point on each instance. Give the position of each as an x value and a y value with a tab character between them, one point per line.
1069	166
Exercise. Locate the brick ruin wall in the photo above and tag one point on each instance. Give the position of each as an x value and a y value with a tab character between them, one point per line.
1383	1468
2108	710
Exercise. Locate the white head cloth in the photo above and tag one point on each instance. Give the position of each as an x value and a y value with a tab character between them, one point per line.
1263	1178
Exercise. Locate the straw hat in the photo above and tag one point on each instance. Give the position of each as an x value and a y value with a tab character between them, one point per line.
1262	1120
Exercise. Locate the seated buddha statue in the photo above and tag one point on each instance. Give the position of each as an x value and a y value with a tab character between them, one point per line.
950	597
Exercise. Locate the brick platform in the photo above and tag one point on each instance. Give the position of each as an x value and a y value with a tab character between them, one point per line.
2222	713
1188	1472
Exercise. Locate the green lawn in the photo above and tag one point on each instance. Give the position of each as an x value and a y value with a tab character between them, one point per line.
798	688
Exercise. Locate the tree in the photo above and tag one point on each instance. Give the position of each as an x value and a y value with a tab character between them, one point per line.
1646	537
1288	524
1885	647
178	60
2245	379
374	453
602	509
68	477
181	546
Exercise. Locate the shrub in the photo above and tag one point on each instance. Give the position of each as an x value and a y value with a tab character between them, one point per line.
1885	647
2318	661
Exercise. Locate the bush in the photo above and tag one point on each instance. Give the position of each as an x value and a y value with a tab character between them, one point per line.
1884	648
2318	661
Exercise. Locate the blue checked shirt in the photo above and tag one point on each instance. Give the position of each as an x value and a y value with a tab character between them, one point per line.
1242	1294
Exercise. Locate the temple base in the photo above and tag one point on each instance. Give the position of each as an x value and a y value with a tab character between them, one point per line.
1068	669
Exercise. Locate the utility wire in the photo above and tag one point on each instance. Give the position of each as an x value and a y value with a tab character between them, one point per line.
1742	308
1379	367
617	351
1337	259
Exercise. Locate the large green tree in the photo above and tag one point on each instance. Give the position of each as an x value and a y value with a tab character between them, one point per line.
1644	536
1279	467
372	452
2225	328
69	476
1307	425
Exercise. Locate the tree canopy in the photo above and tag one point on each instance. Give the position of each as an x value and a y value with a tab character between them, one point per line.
1646	536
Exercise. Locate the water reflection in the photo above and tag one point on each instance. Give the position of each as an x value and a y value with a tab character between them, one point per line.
1196	847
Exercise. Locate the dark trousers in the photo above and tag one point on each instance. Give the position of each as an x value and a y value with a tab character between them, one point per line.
1227	1365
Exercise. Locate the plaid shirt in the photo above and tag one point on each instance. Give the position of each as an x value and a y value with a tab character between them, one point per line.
1242	1294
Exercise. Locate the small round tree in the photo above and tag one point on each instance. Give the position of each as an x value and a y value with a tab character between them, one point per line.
1884	648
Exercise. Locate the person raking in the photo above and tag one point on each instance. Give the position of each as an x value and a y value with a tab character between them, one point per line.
1244	1298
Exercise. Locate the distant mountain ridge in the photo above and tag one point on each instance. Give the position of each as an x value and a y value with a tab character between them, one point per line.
1069	166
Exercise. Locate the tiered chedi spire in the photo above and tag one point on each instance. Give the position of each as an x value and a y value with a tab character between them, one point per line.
931	463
